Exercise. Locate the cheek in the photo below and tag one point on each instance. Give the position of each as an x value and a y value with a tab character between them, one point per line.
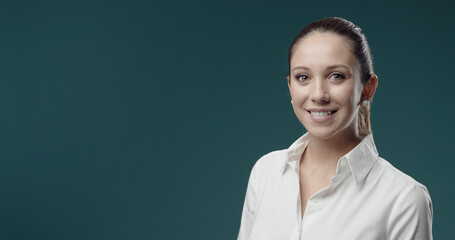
294	94
298	93
346	96
357	95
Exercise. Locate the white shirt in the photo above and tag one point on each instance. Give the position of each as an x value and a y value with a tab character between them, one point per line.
367	199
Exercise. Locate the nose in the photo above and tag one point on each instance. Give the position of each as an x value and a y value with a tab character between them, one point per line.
320	93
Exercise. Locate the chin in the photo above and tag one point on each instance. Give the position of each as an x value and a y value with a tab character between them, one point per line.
321	135
326	133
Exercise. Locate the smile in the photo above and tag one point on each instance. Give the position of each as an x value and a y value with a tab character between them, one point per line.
321	114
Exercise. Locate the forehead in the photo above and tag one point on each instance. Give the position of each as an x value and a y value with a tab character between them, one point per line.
323	48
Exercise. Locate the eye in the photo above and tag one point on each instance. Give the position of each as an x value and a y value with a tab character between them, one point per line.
302	78
337	77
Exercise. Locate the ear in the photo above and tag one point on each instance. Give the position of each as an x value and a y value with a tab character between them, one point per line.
289	82
370	88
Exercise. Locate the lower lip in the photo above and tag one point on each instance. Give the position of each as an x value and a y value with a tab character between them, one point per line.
322	119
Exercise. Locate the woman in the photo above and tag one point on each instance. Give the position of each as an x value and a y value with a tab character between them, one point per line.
331	183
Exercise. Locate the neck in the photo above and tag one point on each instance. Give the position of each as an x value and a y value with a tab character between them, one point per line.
327	152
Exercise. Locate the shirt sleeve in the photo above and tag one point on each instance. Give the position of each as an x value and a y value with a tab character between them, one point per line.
249	207
412	216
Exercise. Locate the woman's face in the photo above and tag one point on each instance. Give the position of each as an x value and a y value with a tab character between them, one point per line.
325	85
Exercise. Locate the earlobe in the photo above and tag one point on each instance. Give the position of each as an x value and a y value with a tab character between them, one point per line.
370	88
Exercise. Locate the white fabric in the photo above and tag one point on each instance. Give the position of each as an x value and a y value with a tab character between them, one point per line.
367	199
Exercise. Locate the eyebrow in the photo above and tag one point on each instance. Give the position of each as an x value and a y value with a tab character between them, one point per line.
338	66
328	68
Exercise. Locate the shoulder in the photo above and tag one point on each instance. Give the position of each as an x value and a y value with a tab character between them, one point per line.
406	195
269	164
400	181
409	203
271	160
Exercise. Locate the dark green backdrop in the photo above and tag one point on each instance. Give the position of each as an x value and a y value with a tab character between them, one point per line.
142	119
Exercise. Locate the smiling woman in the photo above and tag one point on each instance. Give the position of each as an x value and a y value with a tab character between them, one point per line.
331	183
325	86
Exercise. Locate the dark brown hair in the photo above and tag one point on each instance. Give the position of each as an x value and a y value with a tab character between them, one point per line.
360	49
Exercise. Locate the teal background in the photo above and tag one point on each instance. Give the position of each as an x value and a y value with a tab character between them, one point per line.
142	119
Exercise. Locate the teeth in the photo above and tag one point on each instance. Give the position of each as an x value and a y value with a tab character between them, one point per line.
321	114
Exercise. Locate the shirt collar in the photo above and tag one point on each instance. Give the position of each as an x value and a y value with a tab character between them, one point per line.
360	159
294	152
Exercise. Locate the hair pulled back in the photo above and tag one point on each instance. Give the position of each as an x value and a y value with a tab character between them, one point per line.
360	49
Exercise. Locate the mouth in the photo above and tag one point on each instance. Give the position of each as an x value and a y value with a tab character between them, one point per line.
321	113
